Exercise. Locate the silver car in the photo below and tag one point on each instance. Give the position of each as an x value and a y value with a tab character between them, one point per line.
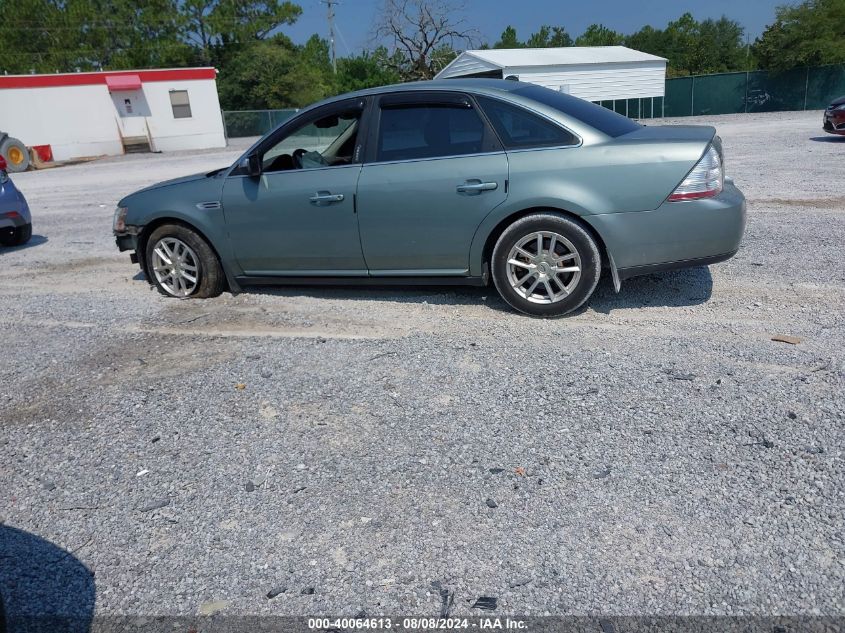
445	182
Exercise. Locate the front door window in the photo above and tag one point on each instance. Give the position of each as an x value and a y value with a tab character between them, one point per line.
328	141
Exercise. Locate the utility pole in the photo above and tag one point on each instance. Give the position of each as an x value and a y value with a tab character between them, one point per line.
330	5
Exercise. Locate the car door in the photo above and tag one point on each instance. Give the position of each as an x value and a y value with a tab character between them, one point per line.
297	217
434	170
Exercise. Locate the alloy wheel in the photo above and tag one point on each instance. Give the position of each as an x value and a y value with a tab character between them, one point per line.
175	266
544	267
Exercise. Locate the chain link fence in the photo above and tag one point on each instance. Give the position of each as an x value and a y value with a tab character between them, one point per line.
755	91
240	123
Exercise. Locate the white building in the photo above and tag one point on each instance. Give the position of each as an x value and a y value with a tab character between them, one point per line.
91	114
617	77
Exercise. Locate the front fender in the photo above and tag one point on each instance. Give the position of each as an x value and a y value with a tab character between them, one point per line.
196	203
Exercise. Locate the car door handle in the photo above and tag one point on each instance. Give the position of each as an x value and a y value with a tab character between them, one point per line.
326	197
476	186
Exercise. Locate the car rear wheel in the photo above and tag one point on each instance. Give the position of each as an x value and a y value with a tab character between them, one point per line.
546	264
181	263
17	236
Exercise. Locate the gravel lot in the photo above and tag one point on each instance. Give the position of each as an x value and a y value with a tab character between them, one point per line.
655	453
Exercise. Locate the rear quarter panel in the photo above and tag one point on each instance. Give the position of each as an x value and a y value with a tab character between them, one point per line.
614	176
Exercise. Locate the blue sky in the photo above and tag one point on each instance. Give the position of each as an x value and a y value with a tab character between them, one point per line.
356	17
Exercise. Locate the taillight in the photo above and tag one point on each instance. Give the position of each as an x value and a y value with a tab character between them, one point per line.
706	179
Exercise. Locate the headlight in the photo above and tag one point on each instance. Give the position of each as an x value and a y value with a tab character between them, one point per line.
119	223
4	177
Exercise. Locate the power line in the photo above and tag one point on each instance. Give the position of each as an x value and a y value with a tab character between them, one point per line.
330	4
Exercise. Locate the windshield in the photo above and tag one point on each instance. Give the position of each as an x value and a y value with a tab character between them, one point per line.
604	120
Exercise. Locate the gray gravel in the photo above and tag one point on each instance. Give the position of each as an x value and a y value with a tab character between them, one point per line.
655	453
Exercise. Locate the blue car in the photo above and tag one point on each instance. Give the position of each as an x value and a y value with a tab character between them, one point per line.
15	219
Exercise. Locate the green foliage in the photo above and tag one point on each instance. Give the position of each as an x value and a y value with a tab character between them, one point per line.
508	39
809	34
65	36
692	47
261	68
599	35
545	37
367	70
549	37
275	73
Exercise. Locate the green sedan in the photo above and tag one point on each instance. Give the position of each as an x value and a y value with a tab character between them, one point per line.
444	182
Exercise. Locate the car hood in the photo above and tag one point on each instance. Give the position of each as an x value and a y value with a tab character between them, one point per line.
177	196
179	181
838	102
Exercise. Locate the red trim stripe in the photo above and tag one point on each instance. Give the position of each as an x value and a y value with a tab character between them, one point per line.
89	79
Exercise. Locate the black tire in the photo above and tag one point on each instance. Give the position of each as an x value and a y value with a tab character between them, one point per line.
584	246
211	280
17	236
6	149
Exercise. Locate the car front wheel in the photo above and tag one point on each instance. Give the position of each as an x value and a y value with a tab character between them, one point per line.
181	263
546	265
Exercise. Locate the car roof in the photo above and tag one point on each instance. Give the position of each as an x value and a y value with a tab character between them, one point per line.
459	85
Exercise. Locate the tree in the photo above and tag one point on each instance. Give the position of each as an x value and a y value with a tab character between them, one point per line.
367	70
140	34
65	36
549	37
809	34
545	37
599	35
681	42
648	40
722	47
238	21
274	73
692	47
508	39
213	26
69	35
424	33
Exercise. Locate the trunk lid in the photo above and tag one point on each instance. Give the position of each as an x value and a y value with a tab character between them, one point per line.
671	134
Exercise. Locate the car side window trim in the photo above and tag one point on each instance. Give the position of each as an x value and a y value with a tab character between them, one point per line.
415	100
540	115
430	158
332	168
409	99
285	128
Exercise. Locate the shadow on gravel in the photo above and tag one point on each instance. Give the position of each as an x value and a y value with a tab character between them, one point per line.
686	287
436	295
674	289
43	588
830	138
35	240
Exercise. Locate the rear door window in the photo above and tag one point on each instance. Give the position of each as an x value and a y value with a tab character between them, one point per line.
409	132
518	128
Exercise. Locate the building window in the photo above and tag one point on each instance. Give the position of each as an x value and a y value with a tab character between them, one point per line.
180	104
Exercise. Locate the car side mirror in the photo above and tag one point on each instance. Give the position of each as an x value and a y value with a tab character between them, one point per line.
252	165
